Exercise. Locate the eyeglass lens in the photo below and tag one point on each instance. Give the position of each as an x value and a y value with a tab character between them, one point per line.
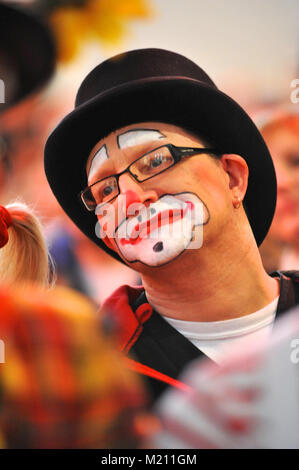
142	169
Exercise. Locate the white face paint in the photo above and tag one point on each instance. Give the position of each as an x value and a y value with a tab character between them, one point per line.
163	230
137	137
97	161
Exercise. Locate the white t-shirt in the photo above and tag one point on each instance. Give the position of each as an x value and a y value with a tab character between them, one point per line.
215	337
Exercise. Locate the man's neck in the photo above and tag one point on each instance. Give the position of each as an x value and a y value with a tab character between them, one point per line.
202	287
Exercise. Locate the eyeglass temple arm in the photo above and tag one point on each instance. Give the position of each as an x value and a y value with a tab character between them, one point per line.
182	152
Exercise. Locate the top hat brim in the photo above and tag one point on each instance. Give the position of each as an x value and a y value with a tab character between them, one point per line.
28	52
181	101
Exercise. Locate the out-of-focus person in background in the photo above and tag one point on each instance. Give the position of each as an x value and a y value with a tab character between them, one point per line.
63	384
251	401
23	249
25	67
280	129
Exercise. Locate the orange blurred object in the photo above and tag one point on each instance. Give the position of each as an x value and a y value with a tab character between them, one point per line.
105	21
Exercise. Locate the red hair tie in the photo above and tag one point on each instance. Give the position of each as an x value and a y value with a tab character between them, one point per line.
5	223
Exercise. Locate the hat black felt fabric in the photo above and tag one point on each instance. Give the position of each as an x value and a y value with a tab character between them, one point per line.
155	85
27	53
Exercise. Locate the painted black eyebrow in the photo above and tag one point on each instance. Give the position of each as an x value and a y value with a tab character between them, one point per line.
139	129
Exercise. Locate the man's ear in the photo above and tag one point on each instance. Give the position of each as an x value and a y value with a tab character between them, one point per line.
237	170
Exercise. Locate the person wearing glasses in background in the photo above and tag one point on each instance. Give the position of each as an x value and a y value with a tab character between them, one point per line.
169	175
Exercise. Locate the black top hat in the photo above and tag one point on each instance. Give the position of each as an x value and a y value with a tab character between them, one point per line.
155	85
27	53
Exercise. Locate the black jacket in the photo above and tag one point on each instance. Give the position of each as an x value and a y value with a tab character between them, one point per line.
152	342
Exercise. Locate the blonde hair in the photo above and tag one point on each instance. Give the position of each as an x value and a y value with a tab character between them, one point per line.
25	256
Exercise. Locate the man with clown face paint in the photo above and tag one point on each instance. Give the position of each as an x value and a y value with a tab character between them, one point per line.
175	181
155	231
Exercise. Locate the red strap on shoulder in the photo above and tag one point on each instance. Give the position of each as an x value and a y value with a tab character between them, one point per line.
148	371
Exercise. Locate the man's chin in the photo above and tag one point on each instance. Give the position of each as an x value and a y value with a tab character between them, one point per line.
153	253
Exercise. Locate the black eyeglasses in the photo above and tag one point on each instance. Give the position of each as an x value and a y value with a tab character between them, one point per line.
144	168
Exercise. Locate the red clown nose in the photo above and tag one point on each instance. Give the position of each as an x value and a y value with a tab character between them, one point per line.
131	198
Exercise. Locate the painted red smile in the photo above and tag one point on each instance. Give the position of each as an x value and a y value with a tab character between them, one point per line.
170	216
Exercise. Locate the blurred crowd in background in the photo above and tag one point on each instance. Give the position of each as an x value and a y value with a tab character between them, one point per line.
85	33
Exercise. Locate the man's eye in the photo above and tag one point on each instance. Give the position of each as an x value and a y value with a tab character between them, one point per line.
157	160
108	190
153	162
